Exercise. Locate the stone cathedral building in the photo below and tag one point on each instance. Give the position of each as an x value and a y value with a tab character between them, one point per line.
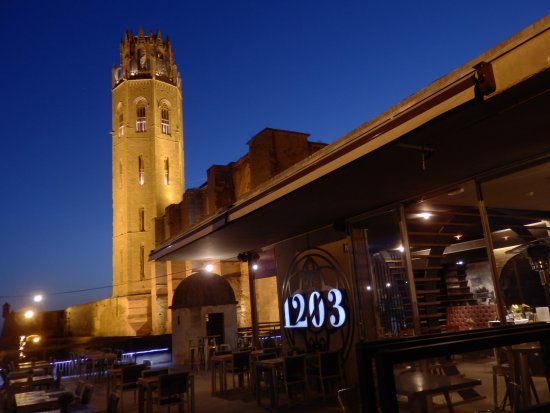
149	203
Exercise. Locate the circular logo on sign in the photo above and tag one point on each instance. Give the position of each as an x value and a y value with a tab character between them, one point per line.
316	304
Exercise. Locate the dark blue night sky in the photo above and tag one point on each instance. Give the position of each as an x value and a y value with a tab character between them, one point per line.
320	67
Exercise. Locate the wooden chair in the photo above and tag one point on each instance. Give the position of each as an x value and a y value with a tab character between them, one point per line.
87	393
294	376
348	399
328	370
240	366
112	403
79	389
129	380
501	369
174	389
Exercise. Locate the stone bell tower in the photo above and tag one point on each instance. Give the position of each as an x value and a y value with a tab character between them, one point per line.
147	162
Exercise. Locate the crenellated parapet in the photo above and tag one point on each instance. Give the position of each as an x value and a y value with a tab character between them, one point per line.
146	57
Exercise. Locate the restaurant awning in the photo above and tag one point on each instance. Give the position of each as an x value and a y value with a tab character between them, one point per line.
448	132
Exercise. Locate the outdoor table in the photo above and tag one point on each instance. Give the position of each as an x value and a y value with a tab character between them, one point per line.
34	365
419	387
31	381
271	366
146	385
37	400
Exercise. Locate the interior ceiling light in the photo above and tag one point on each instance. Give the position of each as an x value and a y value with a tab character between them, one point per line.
425	215
458	237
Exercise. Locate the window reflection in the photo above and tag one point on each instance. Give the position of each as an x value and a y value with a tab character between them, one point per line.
384	292
518	209
451	269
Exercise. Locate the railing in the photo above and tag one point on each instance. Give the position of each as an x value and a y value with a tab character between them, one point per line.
72	367
269	334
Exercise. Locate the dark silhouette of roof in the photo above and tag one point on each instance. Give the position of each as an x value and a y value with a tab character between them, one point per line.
201	289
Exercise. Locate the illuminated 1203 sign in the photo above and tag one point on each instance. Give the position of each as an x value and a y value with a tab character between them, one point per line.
315	309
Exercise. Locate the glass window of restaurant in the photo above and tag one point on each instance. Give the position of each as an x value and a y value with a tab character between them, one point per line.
449	260
437	242
384	297
518	210
432	252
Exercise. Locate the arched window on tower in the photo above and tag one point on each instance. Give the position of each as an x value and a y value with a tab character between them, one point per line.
142	219
121	264
167	171
141	170
120	124
165	120
141	262
120	174
141	118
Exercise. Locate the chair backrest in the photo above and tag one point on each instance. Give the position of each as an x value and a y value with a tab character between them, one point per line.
112	404
131	374
277	350
241	360
79	388
87	394
173	384
265	356
329	363
295	368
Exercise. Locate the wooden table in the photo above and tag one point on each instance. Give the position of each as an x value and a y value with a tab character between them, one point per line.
269	366
33	401
418	387
146	385
42	365
31	381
